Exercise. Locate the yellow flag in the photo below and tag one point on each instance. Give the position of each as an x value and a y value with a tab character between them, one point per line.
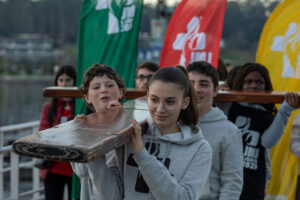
279	51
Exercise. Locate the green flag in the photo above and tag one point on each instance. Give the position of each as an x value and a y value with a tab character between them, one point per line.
108	34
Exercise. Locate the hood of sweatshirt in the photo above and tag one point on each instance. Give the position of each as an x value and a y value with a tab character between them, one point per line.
187	134
215	114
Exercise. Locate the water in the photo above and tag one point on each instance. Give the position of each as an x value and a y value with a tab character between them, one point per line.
21	99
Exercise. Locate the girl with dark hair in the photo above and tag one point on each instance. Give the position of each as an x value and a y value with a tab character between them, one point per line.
58	110
261	126
171	160
261	81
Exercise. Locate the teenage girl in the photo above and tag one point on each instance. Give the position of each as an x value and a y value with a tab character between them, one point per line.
261	126
58	110
171	160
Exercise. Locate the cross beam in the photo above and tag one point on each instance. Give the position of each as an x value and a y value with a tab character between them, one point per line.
223	96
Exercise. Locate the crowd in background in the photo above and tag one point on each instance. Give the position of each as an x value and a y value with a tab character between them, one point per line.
194	148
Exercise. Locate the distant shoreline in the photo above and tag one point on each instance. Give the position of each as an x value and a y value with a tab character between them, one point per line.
46	78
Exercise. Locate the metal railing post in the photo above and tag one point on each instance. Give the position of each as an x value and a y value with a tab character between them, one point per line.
36	182
1	167
15	165
14	176
35	174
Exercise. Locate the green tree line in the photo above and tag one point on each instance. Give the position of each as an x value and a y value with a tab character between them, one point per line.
243	22
56	18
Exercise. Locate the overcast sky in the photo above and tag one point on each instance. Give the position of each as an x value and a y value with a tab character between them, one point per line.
169	2
172	2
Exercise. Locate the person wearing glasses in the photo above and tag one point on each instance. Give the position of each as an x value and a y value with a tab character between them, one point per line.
143	74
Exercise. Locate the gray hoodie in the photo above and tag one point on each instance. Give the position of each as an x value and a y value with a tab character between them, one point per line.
172	166
295	140
226	176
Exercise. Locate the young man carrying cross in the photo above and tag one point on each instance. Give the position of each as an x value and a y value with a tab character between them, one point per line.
226	175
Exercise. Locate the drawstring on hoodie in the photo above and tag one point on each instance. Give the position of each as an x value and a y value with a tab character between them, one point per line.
167	153
152	129
151	138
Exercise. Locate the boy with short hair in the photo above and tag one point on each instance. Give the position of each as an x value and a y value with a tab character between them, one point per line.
143	74
226	176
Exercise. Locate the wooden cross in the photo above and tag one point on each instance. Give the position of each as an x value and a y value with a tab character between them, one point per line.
83	140
223	96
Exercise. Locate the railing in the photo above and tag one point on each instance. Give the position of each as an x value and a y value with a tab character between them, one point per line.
15	164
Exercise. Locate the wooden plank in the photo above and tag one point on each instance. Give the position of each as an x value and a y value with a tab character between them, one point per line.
223	96
81	140
74	92
250	97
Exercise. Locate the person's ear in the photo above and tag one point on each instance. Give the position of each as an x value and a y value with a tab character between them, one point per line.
216	90
185	103
86	98
135	81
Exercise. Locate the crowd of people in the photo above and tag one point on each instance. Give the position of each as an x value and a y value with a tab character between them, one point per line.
193	148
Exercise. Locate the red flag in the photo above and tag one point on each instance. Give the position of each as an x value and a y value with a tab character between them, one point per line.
194	33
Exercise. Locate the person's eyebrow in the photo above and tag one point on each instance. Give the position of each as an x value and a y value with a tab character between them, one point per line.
203	81
172	98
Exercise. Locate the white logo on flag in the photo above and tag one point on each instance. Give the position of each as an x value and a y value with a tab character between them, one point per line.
116	25
194	41
289	44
